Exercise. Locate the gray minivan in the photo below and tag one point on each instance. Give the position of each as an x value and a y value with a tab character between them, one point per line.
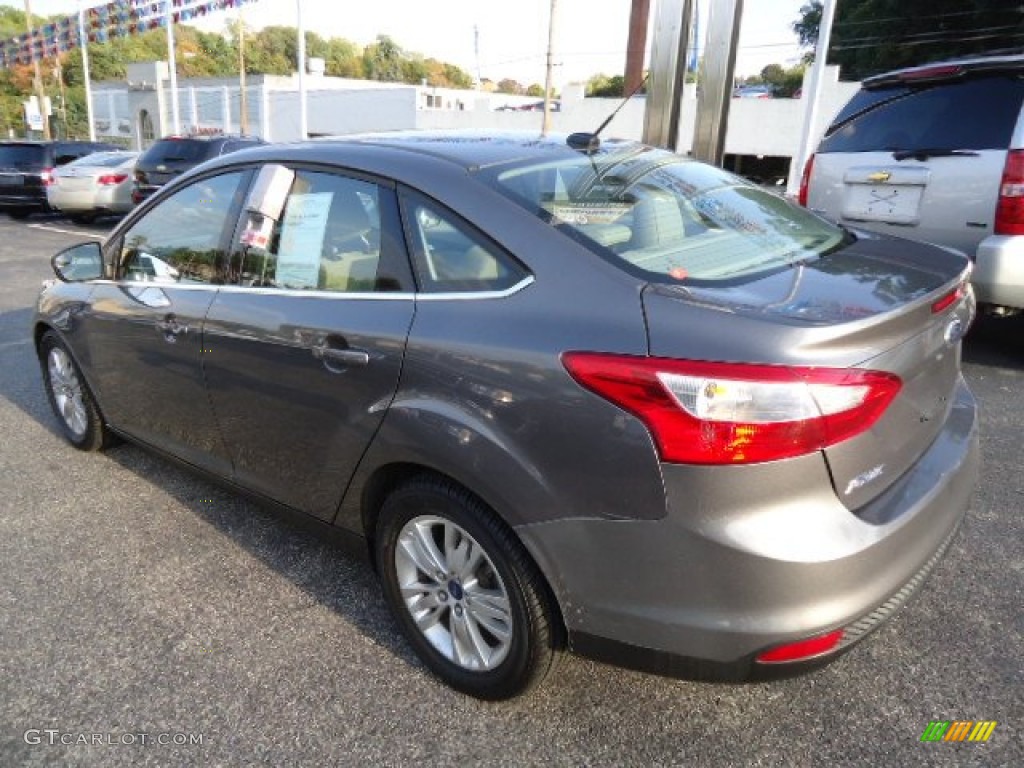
934	153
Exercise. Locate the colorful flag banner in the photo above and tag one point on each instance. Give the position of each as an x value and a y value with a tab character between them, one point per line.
119	18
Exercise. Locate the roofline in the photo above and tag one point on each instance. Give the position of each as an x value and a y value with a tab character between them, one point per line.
946	70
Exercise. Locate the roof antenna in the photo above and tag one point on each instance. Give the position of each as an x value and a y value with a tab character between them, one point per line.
590	142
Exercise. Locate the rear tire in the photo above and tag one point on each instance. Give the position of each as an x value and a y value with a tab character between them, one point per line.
83	218
467	596
20	214
72	402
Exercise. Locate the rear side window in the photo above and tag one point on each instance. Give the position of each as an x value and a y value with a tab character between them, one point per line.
21	156
450	256
972	114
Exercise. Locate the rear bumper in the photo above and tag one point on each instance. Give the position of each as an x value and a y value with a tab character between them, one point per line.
752	557
29	199
998	276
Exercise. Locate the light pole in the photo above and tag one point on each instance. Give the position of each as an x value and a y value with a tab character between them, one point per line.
301	56
243	100
173	66
84	44
546	126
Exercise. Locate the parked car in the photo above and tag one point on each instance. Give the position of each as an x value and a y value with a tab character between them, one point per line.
936	154
754	92
27	168
95	185
173	155
563	393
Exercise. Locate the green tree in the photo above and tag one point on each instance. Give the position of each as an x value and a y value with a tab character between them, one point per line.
382	61
508	85
872	36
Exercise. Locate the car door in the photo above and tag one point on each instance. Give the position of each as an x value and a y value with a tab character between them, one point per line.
144	331
305	349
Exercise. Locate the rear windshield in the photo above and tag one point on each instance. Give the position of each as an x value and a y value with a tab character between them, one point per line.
666	218
105	159
21	156
969	114
178	151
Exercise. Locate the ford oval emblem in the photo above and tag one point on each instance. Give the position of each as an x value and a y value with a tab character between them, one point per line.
954	331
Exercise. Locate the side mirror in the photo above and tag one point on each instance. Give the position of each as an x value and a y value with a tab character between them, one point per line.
79	263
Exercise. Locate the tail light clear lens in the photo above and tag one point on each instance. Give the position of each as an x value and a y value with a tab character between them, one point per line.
111	179
732	413
1010	208
47	177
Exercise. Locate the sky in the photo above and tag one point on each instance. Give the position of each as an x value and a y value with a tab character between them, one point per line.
511	35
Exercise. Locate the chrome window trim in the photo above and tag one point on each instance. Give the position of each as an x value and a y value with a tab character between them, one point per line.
318	294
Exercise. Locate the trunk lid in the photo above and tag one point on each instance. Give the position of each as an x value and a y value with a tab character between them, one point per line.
869	305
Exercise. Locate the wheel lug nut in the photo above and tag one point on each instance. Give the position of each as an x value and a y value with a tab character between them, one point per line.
458	610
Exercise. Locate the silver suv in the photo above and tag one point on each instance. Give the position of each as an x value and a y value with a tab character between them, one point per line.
934	153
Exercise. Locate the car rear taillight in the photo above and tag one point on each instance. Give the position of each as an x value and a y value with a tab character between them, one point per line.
47	177
1010	208
802	649
733	413
111	179
805	181
949	299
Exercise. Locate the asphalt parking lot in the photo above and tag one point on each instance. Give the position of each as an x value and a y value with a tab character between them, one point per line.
140	605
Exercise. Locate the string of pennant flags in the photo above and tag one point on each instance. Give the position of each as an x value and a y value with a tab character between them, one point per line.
120	18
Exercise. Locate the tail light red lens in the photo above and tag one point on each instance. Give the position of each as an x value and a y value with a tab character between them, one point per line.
732	413
47	177
1010	208
802	649
805	182
111	179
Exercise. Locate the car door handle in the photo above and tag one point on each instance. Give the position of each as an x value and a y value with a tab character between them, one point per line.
345	356
171	328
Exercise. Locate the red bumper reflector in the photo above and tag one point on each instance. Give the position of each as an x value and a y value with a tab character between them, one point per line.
801	649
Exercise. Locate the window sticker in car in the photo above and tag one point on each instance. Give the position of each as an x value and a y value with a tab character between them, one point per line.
302	240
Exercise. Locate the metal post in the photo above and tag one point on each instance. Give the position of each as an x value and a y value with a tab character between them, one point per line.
715	93
812	97
670	37
37	78
546	125
172	65
303	116
243	100
84	43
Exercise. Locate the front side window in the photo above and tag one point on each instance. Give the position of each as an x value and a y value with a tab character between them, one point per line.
327	237
665	218
182	239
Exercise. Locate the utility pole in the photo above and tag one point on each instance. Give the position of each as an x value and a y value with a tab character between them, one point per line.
546	126
243	100
37	78
636	45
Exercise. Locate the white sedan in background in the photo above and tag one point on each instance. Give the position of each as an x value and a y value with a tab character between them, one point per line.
96	185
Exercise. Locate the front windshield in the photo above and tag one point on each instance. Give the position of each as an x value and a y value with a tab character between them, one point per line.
665	217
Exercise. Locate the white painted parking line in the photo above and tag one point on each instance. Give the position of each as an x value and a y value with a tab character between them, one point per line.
82	232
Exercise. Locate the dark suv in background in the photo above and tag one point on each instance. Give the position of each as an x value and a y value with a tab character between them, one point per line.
26	170
173	155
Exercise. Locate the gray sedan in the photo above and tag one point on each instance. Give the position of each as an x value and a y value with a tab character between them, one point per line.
573	394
